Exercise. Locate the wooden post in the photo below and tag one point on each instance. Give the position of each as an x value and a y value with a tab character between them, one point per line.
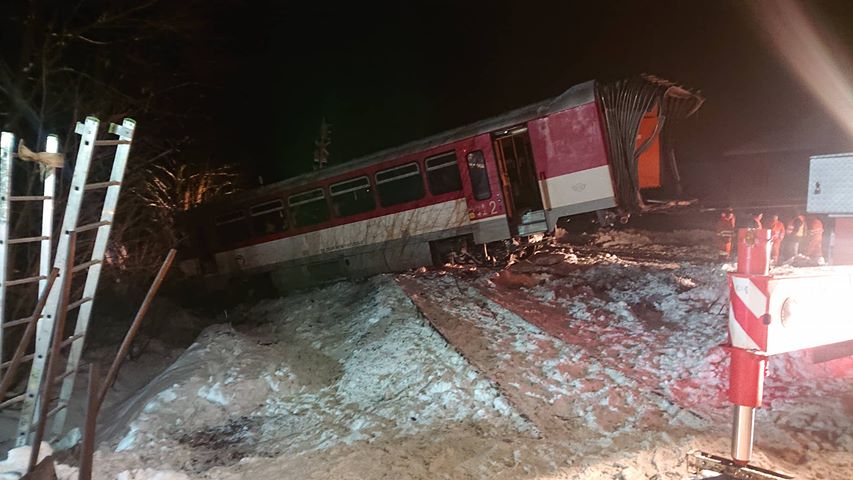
134	327
6	383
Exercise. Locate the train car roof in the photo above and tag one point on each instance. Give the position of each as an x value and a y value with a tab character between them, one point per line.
577	95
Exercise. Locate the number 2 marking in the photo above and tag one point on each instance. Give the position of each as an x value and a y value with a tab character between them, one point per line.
493	207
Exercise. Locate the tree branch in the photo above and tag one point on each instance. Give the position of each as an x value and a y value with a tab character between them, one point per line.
94	42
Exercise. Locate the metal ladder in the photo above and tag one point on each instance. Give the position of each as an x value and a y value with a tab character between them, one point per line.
93	266
7	142
88	141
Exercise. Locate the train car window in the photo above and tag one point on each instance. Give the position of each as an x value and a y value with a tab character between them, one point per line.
399	185
308	208
352	197
443	174
231	229
268	217
479	175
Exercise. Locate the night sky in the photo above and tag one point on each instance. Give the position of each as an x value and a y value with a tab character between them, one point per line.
383	75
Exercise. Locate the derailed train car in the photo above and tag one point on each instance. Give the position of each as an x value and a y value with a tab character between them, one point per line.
594	147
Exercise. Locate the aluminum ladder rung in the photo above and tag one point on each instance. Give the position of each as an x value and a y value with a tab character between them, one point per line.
15	241
30	198
28	357
84	266
98	185
71	339
25	358
20	321
13	400
92	226
22	281
73	305
106	143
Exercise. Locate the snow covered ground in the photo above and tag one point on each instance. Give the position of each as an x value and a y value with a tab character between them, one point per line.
337	366
598	360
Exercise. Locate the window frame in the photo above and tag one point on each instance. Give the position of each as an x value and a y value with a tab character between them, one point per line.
429	168
291	203
417	172
321	198
397	167
253	213
349	180
238	216
485	174
357	188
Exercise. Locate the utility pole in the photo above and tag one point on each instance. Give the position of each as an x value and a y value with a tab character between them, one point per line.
321	145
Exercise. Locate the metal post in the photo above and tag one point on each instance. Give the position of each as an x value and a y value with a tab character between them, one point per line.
125	136
743	428
747	369
7	140
88	132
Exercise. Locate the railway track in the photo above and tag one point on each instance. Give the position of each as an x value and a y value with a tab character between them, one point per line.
634	254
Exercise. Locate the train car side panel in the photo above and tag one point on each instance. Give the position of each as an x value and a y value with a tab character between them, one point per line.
572	163
405	227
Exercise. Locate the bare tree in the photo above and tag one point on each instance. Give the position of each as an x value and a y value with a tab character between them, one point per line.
61	61
152	208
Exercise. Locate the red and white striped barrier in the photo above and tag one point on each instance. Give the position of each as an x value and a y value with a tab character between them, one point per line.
777	313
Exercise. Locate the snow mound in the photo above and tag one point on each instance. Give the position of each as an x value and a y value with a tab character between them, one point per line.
346	363
151	474
17	460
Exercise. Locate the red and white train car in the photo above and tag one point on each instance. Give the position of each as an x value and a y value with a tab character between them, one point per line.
511	175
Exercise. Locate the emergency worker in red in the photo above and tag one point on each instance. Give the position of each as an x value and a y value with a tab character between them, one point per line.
777	234
726	232
813	245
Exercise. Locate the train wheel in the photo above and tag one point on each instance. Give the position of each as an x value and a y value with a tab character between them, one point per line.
606	218
581	223
451	250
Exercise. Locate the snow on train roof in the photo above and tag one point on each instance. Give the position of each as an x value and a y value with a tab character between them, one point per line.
580	94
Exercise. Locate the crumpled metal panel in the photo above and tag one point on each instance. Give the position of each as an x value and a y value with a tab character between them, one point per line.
625	103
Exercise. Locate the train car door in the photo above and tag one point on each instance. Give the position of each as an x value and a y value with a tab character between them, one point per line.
483	195
519	182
